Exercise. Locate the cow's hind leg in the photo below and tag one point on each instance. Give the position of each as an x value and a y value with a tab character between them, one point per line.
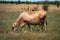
43	25
30	29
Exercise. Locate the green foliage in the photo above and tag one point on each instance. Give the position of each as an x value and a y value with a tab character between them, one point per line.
28	2
45	6
57	3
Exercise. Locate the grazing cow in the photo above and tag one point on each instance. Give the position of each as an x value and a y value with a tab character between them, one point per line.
31	18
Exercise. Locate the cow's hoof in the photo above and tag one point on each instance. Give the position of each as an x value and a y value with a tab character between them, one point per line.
14	29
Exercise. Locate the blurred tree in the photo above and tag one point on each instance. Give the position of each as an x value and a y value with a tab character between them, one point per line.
18	1
45	5
57	3
11	1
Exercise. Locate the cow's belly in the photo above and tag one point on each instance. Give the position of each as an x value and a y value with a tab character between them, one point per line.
32	20
35	20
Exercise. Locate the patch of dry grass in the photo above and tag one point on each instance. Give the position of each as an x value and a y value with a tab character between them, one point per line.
9	13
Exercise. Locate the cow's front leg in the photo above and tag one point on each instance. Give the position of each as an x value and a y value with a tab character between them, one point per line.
22	25
14	26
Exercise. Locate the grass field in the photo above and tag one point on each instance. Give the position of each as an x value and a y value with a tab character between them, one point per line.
9	13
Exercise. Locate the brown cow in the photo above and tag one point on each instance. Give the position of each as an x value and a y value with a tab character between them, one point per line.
31	18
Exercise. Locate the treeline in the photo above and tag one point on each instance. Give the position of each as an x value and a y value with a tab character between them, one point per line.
27	2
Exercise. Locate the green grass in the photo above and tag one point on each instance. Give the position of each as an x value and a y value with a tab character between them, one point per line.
8	17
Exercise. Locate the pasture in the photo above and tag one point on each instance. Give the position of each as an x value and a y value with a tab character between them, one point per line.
10	12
